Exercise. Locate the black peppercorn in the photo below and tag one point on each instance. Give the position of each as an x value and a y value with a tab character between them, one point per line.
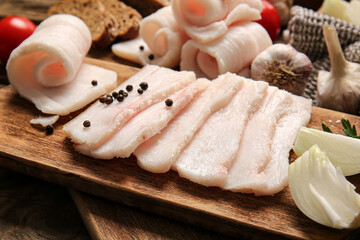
140	91
115	94
49	129
141	48
108	100
129	88
120	98
94	82
169	102
122	92
87	123
151	57
144	85
102	100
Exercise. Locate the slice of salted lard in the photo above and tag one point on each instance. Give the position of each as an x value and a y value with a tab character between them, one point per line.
159	153
44	121
106	119
209	155
134	50
261	163
275	176
71	96
144	125
47	67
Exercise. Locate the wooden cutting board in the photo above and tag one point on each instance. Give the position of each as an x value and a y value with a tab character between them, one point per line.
28	149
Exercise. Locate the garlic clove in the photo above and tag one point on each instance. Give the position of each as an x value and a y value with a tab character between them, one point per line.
282	66
338	89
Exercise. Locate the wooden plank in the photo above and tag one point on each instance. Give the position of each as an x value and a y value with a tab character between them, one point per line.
34	209
107	220
35	10
28	149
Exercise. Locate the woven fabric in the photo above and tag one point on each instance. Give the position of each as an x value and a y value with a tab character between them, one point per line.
310	89
305	27
352	52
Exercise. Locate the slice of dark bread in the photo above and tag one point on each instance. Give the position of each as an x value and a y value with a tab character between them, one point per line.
126	17
102	18
147	7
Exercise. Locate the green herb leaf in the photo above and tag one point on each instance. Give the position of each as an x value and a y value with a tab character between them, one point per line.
326	128
348	129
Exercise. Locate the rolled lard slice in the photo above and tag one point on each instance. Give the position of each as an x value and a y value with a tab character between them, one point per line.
144	125
159	42
233	52
47	67
207	20
260	164
210	154
160	152
106	119
164	38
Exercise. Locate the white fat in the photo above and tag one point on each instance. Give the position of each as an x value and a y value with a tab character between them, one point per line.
242	42
130	50
214	17
44	121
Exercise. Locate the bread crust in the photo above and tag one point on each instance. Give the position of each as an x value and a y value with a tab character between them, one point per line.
107	20
147	7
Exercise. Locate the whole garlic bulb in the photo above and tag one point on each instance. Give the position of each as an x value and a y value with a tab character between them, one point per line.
338	89
282	66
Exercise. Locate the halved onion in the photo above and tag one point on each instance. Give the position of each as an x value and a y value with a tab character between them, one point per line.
343	151
322	192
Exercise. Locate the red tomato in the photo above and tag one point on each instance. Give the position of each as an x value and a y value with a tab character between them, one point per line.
13	30
270	20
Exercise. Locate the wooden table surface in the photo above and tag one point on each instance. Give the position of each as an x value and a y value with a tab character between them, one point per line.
33	209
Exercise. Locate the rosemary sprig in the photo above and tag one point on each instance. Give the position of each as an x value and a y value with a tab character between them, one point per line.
348	130
326	128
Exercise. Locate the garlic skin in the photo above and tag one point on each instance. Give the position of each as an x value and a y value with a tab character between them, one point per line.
282	66
338	89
